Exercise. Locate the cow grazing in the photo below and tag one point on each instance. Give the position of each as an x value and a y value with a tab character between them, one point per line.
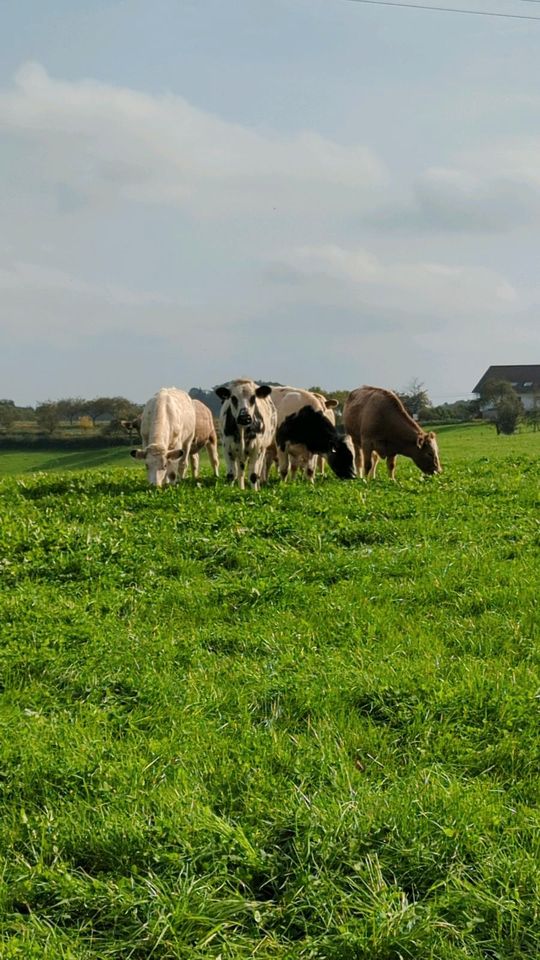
310	427
205	436
290	400
380	427
248	423
167	431
132	426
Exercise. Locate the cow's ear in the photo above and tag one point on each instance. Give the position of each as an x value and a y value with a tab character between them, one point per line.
175	454
331	404
264	390
137	454
431	435
223	393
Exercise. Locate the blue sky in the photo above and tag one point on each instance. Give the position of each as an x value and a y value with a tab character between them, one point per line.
311	191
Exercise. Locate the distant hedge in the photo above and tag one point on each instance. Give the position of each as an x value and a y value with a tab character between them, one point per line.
64	443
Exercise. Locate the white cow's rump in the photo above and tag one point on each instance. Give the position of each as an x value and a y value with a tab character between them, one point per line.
167	431
248	423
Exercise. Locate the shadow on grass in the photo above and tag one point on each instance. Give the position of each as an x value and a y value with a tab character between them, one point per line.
82	460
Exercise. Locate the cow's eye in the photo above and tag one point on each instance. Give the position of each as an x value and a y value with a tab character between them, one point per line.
252	400
234	402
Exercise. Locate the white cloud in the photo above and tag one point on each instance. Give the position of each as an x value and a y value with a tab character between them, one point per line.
32	278
430	290
105	142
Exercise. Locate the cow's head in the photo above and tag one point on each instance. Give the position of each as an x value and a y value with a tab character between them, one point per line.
341	459
134	424
242	398
312	428
161	465
427	457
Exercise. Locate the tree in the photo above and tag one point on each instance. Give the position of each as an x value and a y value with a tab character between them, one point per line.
97	407
508	414
70	408
502	397
48	416
495	391
8	414
415	398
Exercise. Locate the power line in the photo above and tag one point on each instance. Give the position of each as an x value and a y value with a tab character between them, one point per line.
425	6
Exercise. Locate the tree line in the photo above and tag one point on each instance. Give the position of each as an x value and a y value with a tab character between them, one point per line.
49	415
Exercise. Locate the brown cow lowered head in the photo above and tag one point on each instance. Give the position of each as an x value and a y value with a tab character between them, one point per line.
427	458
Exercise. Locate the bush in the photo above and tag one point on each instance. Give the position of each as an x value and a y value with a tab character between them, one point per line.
508	413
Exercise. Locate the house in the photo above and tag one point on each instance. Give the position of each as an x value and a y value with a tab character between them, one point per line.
525	379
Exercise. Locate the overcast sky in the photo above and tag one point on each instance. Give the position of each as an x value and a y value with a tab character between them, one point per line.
308	191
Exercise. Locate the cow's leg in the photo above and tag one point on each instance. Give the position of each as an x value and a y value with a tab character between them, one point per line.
311	466
240	474
367	457
213	455
269	457
230	464
391	464
183	461
283	463
358	459
256	467
194	465
374	464
321	463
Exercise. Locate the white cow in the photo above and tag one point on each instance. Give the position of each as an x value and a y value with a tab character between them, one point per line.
248	424
167	431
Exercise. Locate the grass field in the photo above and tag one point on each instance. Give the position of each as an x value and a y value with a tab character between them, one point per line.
14	462
295	724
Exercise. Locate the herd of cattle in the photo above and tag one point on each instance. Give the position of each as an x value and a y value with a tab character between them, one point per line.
262	425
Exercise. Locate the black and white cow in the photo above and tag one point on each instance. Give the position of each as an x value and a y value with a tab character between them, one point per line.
289	400
312	428
248	424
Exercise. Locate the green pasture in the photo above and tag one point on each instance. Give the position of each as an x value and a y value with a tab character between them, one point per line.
31	461
456	440
296	724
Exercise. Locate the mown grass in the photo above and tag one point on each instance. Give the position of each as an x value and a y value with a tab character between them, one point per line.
295	724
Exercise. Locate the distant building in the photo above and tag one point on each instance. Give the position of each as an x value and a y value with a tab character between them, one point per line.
525	379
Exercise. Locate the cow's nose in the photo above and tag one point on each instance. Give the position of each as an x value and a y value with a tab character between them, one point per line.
244	418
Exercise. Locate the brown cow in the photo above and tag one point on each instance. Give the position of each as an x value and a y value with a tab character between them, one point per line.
380	427
205	436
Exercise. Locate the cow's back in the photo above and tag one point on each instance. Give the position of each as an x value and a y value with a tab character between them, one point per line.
168	419
289	400
377	416
372	412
